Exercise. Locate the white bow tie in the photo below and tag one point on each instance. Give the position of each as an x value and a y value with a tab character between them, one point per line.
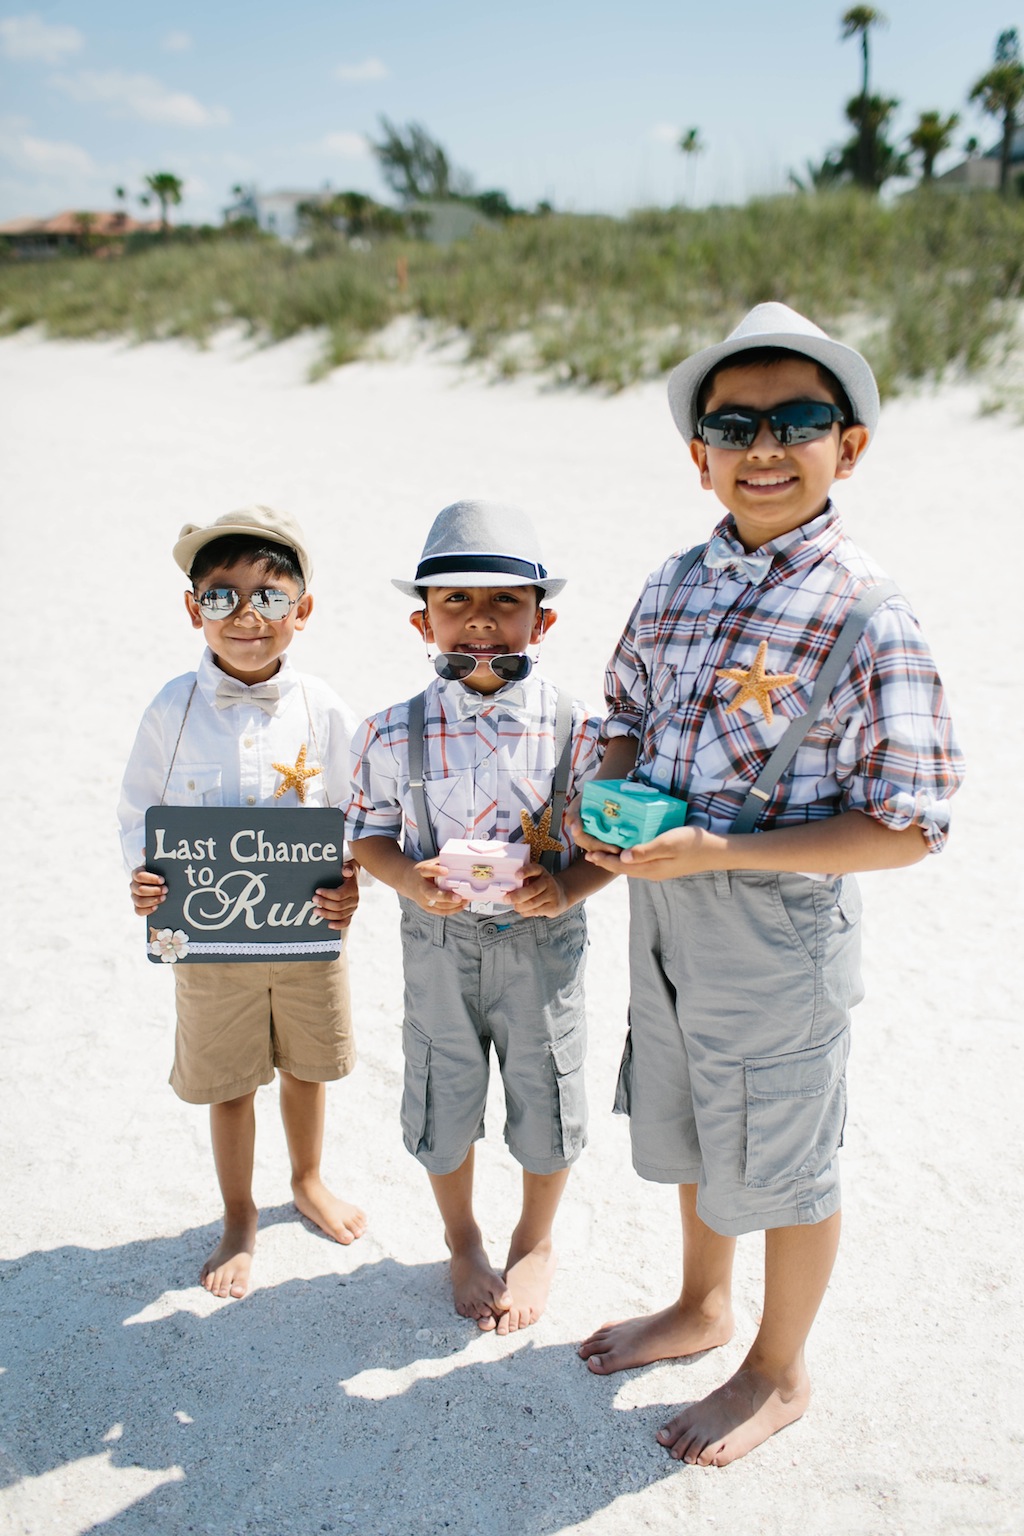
511	700
720	554
231	691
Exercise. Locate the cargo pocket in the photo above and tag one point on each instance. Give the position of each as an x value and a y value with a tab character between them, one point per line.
624	1086
567	1060
416	1128
796	1108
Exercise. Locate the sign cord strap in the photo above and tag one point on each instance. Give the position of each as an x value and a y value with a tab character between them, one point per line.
177	744
316	744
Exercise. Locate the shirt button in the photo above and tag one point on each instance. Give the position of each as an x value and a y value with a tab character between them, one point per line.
250	800
248	741
191	783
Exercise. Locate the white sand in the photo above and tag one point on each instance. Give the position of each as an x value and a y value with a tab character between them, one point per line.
344	1394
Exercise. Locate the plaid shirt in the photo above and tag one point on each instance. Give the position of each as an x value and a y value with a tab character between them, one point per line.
480	772
884	742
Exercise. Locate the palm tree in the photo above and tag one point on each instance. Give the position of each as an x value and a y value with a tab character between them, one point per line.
1001	91
933	134
416	167
859	20
167	189
869	157
691	145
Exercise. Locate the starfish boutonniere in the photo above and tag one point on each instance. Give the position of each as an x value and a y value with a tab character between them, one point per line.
294	776
538	834
755	683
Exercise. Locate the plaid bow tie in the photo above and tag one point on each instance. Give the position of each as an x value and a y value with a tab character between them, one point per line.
231	691
720	554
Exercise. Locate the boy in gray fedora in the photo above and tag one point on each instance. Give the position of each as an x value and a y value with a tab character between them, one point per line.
491	751
779	685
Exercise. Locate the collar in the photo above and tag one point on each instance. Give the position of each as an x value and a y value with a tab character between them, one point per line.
520	701
208	675
793	551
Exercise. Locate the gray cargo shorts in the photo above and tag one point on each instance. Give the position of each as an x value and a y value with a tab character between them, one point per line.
733	1073
503	980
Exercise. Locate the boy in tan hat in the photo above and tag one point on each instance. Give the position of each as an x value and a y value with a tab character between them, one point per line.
219	736
489	753
775	682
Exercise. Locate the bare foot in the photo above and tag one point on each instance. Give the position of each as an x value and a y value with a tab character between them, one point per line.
529	1278
740	1415
667	1335
226	1271
336	1217
479	1291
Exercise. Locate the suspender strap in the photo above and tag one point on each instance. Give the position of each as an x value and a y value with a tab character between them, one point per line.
835	661
428	843
560	783
686	563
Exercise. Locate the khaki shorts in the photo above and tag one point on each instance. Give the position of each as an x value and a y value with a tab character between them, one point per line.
237	1022
734	1072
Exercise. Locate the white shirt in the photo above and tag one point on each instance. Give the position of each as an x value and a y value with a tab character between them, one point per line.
226	756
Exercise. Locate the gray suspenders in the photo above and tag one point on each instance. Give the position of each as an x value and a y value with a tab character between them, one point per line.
785	749
560	782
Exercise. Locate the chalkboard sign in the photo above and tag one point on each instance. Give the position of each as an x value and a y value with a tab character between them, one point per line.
240	883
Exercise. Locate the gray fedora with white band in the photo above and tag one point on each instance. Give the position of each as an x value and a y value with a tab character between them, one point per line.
774	325
481	544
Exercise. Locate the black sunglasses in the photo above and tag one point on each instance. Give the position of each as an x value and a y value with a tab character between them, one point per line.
795	421
455	665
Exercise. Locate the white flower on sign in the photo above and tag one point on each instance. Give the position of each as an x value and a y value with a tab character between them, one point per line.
169	943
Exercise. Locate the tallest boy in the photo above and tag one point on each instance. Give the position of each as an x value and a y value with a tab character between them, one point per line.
744	944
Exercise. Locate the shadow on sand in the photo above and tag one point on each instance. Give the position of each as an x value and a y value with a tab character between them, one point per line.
341	1403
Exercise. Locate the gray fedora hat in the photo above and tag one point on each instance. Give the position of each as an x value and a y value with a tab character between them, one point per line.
259	522
481	544
774	325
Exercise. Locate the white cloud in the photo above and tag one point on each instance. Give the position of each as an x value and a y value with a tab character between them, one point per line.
349	146
29	37
141	96
666	133
367	69
176	42
46	157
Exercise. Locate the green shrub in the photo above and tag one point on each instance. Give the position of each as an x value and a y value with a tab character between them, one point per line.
924	285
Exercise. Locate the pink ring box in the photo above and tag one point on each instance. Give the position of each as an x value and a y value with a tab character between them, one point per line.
483	871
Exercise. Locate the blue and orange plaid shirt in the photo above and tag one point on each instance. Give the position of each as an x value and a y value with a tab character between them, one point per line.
884	743
485	760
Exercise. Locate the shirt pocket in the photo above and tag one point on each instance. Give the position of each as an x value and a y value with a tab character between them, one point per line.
195	784
448	807
723	752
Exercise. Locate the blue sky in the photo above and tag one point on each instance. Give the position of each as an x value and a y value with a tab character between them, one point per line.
578	103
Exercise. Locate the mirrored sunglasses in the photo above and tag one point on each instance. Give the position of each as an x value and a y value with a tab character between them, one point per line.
456	665
267	602
795	421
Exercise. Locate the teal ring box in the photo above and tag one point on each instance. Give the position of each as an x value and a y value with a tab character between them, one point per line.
623	812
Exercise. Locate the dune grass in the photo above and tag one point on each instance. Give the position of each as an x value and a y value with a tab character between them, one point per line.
925	286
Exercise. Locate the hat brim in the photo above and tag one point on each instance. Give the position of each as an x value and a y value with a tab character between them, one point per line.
550	585
848	366
186	549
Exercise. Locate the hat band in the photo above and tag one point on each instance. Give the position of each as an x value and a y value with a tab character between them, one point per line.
503	565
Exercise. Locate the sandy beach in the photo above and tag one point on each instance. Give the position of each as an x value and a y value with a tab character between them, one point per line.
344	1394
